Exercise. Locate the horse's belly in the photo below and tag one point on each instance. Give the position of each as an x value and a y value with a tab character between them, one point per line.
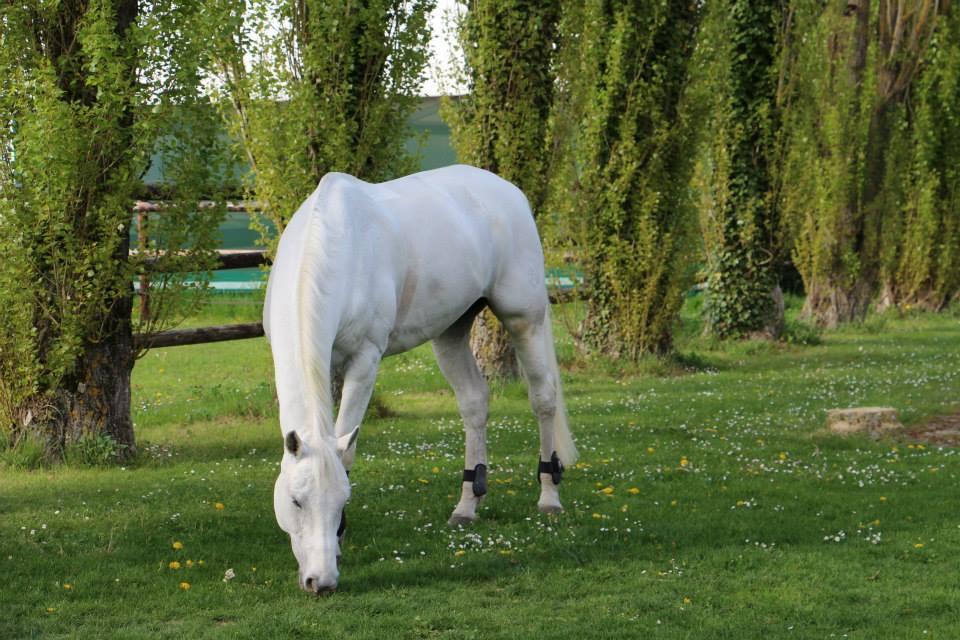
427	320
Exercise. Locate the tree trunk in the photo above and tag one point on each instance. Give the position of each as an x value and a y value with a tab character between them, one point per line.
492	348
95	400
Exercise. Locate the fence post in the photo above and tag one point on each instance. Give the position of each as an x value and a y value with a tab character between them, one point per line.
142	218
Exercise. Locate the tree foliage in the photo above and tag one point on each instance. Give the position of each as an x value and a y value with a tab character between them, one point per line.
741	223
501	123
313	86
90	89
625	147
855	73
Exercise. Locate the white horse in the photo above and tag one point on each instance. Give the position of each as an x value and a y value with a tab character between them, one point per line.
364	271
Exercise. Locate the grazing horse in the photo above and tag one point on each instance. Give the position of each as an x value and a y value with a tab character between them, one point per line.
364	271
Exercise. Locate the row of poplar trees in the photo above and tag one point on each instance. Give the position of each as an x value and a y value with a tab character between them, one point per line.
659	143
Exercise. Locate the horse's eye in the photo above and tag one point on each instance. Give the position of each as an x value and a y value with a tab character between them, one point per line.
297	504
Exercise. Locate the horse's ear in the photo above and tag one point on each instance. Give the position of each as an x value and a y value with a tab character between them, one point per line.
292	442
347	446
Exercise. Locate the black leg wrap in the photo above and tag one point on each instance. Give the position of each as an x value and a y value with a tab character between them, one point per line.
343	523
478	476
554	468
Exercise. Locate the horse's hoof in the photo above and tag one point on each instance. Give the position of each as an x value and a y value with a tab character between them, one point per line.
457	519
549	508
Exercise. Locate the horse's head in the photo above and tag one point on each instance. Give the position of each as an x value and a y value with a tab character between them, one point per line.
308	500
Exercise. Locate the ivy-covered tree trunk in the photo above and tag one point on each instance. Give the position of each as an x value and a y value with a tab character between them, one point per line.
854	73
501	124
90	90
743	296
630	160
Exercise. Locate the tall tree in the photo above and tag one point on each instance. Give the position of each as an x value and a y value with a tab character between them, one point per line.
852	84
626	156
501	123
921	254
90	89
313	86
743	229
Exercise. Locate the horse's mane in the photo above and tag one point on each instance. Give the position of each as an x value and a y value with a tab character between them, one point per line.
314	281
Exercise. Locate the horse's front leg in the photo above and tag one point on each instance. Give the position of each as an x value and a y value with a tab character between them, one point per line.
459	367
359	378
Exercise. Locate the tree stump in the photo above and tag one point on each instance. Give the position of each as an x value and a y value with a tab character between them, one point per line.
873	421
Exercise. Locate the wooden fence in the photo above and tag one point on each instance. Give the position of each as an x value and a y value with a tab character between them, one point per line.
228	259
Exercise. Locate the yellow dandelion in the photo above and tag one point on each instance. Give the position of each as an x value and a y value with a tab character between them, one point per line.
458	553
783	455
185	586
686	600
673	503
919	545
189	563
633	491
511	492
50	609
177	545
599	485
67	586
624	508
435	470
200	562
883	498
608	491
597	516
423	481
683	461
506	552
650	449
219	506
174	565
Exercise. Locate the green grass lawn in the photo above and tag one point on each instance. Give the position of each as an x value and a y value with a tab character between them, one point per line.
708	503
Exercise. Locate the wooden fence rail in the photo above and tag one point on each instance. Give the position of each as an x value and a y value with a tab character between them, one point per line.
228	259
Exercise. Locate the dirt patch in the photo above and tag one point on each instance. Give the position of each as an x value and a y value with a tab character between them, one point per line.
942	431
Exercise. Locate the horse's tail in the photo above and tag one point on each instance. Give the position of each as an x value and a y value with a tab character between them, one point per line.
315	345
562	438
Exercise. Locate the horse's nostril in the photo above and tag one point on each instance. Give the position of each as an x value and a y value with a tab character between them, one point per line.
313	585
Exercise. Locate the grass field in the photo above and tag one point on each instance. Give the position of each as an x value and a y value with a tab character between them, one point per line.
708	504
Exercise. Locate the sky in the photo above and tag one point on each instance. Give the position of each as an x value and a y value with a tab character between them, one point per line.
438	81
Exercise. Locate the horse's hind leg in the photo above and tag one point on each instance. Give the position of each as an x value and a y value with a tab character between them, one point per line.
459	367
529	337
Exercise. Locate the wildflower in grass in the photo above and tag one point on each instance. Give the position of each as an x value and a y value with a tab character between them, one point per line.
783	455
189	564
177	545
229	575
919	545
435	470
174	565
200	562
185	586
686	600
459	553
683	461
650	449
633	491
607	491
50	609
883	498
597	516
219	506
673	503
68	586
423	481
